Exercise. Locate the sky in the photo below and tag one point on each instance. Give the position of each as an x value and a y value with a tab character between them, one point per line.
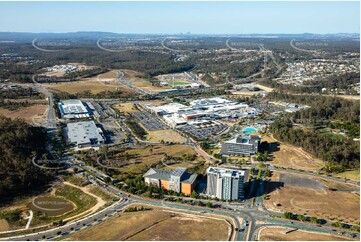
181	17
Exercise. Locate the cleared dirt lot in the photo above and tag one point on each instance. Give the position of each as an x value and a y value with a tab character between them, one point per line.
335	205
278	234
156	225
28	113
285	155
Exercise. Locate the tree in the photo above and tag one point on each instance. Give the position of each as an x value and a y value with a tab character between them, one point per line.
194	194
301	217
209	204
315	220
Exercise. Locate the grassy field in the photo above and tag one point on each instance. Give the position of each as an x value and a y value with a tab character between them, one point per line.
133	78
104	195
285	155
327	204
126	108
156	224
82	200
167	135
129	107
94	85
76	180
28	113
179	83
354	175
151	155
278	234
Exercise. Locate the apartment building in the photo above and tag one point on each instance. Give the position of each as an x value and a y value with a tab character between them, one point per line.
227	184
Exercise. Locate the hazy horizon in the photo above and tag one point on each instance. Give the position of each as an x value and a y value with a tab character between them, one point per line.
209	18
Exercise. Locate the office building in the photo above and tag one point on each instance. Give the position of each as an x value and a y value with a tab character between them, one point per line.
178	180
241	146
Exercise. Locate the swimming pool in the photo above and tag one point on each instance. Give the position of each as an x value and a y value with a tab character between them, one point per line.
249	130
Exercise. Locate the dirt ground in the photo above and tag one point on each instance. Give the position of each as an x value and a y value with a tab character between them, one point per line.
30	114
156	225
285	155
278	234
327	204
167	135
4	225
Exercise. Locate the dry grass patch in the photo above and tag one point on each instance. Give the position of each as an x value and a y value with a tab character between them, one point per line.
288	156
4	225
27	113
81	86
133	78
144	157
278	234
156	225
334	205
167	135
126	108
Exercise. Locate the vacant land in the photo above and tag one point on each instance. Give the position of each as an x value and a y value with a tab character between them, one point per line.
139	159
4	225
30	114
94	85
126	108
129	107
322	203
156	224
133	78
167	135
285	155
278	234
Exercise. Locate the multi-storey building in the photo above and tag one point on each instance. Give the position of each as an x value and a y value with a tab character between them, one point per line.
226	184
242	146
178	180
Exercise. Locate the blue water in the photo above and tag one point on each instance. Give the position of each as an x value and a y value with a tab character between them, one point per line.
249	130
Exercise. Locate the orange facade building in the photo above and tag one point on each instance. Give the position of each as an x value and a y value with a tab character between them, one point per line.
178	180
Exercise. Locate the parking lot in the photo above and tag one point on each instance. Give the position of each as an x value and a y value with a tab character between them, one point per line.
299	181
203	130
148	121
